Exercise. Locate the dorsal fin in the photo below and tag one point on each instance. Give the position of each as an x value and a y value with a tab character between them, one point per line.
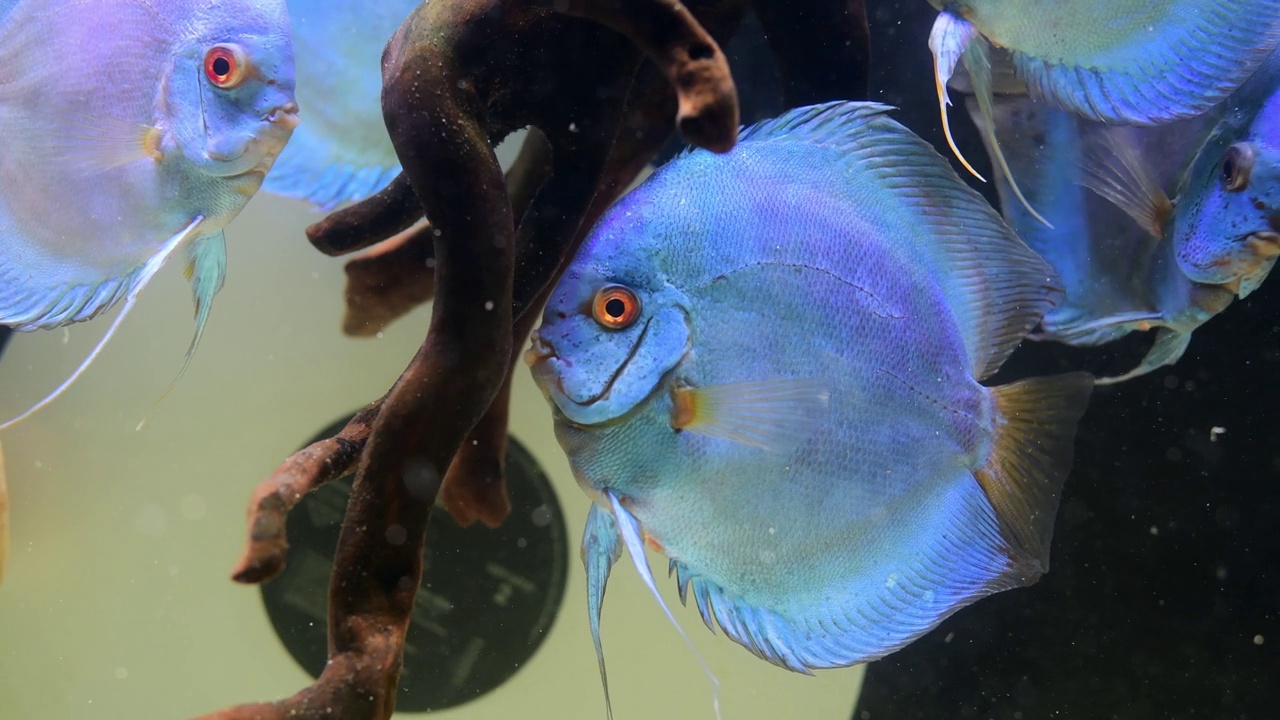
996	286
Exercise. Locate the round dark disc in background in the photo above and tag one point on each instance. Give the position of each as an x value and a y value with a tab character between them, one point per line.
488	596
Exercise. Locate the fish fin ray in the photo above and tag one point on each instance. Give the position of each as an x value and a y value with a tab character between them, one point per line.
1211	48
977	60
104	143
600	550
948	41
776	415
1114	169
1168	348
206	268
148	271
1032	456
629	529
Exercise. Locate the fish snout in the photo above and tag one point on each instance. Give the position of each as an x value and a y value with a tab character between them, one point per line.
1264	245
284	117
539	351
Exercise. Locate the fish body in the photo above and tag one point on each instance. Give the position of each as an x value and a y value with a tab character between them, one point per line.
132	130
1132	259
343	151
791	411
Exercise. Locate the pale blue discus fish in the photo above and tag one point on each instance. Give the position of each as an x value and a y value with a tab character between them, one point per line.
1128	62
766	365
1131	259
131	130
342	152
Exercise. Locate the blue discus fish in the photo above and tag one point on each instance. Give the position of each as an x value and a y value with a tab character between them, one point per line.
1170	264
342	152
766	365
1130	62
132	129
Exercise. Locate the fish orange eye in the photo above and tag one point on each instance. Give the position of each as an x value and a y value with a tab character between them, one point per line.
225	66
1236	167
615	307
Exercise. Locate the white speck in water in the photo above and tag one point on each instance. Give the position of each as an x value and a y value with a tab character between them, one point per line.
773	530
541	516
192	507
1215	432
1154	530
488	304
573	127
475	442
950	636
436	232
378	335
152	520
1258	639
122	673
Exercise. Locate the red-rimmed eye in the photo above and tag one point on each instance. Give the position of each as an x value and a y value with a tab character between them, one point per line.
615	307
225	65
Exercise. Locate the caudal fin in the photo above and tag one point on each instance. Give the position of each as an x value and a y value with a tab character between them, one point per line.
1031	459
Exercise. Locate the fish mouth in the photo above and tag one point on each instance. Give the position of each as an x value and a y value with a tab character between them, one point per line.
265	146
541	352
1265	244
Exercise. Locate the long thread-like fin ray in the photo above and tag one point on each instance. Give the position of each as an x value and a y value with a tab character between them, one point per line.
1114	170
131	300
950	37
978	63
630	532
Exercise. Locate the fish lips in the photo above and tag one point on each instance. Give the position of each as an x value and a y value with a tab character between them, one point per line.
601	380
256	152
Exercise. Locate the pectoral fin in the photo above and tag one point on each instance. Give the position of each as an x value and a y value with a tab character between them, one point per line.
775	415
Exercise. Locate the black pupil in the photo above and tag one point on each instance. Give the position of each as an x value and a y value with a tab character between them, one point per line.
221	67
615	307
